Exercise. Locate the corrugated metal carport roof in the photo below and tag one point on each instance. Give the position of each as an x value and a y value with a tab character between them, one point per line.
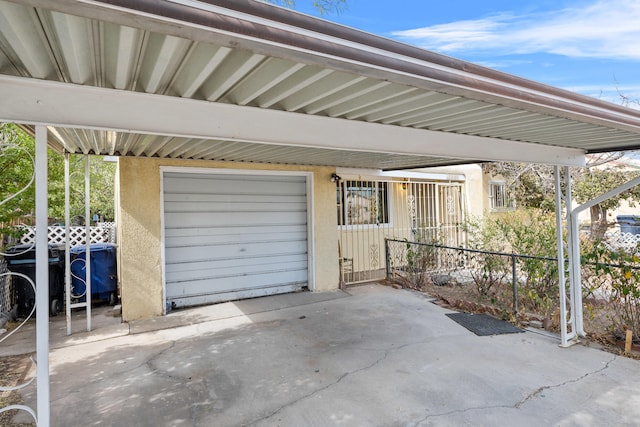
245	81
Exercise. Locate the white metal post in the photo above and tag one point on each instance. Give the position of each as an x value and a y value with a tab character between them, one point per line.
560	249
67	246
573	239
565	334
576	274
42	278
87	213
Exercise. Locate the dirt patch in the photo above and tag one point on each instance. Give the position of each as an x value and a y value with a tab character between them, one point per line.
14	370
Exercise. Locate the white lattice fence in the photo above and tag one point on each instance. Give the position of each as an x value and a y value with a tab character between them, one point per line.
104	233
616	240
6	295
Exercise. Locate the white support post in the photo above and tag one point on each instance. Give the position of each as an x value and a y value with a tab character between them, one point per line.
576	274
42	279
67	245
565	334
560	249
573	238
87	214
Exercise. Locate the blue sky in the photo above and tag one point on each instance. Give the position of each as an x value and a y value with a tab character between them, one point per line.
587	46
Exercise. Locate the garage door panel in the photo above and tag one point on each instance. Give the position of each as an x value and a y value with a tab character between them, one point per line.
248	185
221	239
202	271
251	281
230	236
233	198
253	230
256	277
234	251
203	219
272	262
226	207
186	301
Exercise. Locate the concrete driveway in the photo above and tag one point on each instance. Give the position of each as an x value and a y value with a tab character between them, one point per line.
370	356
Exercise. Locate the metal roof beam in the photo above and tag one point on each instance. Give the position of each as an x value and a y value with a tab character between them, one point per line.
67	105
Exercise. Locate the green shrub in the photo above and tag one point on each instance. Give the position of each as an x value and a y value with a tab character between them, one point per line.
615	276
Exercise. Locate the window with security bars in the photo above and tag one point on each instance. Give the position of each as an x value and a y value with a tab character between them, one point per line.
363	202
498	197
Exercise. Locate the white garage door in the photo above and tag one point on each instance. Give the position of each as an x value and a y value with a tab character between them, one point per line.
230	236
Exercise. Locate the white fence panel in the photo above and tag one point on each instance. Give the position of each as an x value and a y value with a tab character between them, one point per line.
6	291
102	233
616	240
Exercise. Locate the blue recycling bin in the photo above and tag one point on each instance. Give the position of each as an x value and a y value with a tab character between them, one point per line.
629	223
104	278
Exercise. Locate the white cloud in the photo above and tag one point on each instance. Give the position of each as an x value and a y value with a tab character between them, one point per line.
503	63
603	29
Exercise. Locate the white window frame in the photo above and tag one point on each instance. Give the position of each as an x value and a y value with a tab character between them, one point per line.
499	200
342	219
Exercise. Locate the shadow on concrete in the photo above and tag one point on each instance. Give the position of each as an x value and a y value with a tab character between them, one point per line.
371	356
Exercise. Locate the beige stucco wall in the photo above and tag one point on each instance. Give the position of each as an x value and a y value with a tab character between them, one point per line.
140	234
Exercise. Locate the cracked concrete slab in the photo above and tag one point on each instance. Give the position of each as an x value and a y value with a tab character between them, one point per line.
373	357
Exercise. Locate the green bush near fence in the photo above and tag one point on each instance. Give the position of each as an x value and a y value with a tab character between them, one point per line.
527	232
527	239
611	279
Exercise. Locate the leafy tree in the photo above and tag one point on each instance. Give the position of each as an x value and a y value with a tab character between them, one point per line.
16	173
532	186
102	175
17	190
591	183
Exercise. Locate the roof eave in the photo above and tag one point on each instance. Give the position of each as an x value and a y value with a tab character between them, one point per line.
271	30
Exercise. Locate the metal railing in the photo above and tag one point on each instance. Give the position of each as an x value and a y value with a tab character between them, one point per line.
9	142
497	277
521	284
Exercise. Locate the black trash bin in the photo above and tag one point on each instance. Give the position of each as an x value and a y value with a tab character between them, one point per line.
22	259
104	278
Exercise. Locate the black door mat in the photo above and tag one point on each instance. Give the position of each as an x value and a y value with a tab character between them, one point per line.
483	325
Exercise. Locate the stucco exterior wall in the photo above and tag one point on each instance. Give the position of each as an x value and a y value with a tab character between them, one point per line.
476	201
140	229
